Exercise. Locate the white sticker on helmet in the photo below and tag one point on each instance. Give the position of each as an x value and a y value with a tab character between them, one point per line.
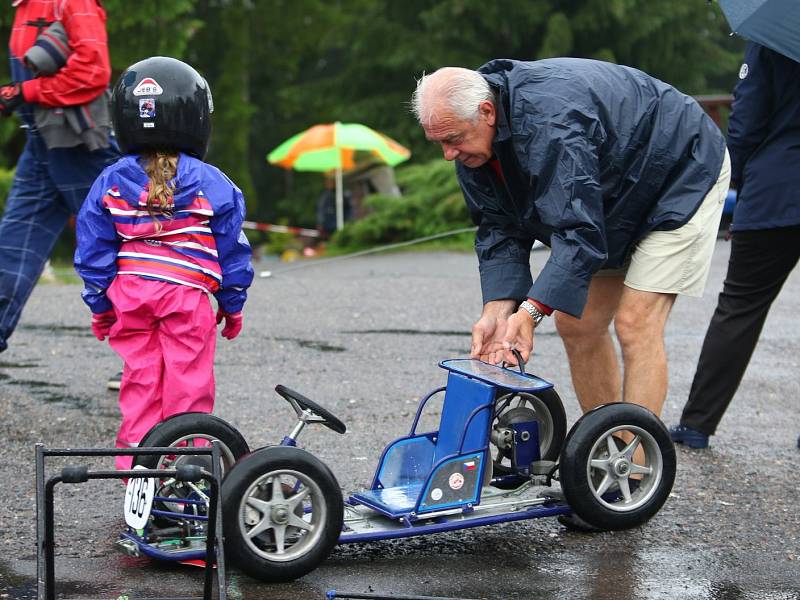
148	87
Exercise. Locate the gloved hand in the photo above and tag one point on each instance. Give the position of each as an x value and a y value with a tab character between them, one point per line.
233	323
10	98
102	322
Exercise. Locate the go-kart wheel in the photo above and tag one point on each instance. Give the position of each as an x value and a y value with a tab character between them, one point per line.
544	407
282	513
617	466
188	430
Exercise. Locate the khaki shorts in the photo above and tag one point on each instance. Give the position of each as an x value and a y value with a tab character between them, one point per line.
678	261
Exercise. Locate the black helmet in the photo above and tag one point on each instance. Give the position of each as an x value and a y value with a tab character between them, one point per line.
161	103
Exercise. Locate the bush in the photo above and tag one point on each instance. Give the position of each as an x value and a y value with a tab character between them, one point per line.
432	203
6	177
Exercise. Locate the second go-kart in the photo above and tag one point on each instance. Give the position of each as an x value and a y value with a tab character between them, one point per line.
500	448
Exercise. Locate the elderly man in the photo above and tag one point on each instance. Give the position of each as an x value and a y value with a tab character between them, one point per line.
622	175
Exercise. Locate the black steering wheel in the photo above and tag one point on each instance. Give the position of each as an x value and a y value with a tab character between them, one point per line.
300	402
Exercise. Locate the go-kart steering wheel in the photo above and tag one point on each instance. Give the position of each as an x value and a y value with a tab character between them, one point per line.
300	402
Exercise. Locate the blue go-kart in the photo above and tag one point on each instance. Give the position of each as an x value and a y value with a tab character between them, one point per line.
500	449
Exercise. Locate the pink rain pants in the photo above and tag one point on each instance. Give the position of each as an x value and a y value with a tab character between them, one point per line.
166	334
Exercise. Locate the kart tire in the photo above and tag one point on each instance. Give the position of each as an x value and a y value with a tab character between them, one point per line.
595	467
179	428
553	424
307	518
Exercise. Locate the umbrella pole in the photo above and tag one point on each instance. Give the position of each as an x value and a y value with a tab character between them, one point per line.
339	200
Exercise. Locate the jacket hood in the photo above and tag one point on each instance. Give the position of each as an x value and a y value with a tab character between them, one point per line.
133	179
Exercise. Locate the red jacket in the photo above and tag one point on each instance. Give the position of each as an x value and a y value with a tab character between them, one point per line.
88	70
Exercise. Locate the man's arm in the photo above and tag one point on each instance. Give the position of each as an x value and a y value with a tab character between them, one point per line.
88	69
503	251
752	107
572	205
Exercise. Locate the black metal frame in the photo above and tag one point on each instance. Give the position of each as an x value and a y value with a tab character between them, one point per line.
45	537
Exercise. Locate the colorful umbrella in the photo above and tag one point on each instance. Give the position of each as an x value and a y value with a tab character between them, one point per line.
333	147
771	23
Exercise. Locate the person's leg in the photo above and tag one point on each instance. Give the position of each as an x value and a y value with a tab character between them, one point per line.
33	219
49	186
759	264
590	349
639	325
134	338
187	335
664	264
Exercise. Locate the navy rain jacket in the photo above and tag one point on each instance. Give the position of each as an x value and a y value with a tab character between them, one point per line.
594	156
764	141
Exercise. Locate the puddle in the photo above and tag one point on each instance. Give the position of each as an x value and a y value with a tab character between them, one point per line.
48	392
80	330
434	332
312	344
11	365
30	383
410	332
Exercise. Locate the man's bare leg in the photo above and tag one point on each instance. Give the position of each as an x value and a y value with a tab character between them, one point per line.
590	349
639	325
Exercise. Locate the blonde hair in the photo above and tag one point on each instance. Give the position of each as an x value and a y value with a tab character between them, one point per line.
160	168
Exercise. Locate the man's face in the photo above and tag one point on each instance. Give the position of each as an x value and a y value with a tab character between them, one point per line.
468	142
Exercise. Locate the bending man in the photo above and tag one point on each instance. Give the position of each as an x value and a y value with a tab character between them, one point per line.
622	175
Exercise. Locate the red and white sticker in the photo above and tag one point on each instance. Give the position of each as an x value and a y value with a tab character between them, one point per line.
456	481
148	87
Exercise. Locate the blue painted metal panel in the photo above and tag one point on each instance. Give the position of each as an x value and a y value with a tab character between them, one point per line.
463	397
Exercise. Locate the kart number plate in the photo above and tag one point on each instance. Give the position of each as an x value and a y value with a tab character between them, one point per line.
139	500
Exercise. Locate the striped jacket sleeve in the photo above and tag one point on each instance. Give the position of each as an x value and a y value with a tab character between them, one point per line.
233	248
98	244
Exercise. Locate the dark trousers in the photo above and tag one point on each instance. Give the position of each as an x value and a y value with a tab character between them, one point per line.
759	264
49	186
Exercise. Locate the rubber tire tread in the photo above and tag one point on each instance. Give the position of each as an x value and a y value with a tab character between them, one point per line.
177	426
575	457
242	476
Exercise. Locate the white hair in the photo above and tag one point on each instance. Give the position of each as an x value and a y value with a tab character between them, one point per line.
454	89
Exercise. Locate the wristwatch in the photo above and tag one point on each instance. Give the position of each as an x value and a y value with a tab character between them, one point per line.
534	312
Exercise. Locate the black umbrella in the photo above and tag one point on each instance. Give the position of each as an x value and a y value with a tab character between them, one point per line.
771	23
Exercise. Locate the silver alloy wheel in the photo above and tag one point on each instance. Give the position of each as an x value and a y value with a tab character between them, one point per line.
171	487
190	441
531	404
615	480
282	515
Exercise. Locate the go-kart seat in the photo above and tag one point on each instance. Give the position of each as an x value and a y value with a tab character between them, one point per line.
405	470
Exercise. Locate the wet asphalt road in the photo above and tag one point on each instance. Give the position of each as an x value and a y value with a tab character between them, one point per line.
363	338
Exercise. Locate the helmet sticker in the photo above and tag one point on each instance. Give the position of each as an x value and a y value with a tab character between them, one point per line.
744	71
147	108
148	87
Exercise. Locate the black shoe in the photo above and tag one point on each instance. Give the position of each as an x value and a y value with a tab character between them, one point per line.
115	381
574	523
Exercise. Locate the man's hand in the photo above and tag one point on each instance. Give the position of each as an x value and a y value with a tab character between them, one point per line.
519	336
233	323
102	322
10	98
490	331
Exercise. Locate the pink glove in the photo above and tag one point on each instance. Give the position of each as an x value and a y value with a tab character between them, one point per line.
102	322
233	323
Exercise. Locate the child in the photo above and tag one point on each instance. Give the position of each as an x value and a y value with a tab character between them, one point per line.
159	231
